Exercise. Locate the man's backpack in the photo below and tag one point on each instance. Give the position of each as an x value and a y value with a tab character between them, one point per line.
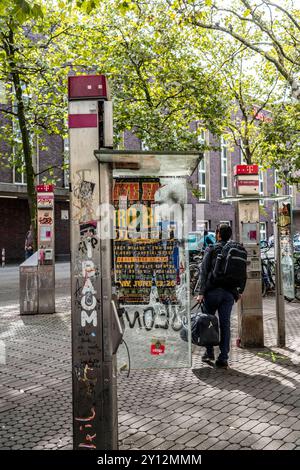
230	268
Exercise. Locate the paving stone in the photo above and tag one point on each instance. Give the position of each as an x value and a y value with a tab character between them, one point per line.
254	405
274	445
292	437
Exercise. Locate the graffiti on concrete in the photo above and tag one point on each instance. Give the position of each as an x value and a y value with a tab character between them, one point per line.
83	197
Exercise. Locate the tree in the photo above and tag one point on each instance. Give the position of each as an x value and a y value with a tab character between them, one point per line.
279	142
159	81
268	28
34	70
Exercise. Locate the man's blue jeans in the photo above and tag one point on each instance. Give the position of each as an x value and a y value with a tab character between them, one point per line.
220	300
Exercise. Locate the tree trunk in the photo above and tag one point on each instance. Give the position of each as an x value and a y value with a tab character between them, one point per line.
27	149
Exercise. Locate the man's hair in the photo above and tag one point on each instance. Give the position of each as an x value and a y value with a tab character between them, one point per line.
225	232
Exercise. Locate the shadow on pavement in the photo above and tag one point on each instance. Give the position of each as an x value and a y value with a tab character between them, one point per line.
257	385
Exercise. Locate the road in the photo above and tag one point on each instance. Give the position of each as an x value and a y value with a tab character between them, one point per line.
9	283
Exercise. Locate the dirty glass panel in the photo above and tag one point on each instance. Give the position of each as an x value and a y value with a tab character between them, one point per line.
286	245
150	268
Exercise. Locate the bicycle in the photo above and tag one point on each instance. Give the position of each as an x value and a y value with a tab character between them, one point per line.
267	270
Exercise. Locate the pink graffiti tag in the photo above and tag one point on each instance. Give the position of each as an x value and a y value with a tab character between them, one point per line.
88	437
90	418
88	446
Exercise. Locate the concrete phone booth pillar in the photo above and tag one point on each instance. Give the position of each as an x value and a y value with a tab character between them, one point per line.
95	335
250	310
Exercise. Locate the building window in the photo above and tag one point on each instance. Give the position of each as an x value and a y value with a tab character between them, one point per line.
276	181
66	156
224	168
261	186
242	155
19	176
201	137
144	146
225	222
202	179
2	93
263	230
202	225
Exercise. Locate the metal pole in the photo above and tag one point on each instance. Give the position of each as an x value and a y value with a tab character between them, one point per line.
280	308
93	364
110	408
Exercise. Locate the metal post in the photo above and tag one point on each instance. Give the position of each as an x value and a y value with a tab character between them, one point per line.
110	415
3	257
94	378
280	308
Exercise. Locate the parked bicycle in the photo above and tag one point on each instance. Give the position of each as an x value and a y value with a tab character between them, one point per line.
267	269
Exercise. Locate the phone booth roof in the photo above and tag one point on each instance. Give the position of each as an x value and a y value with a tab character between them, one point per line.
128	163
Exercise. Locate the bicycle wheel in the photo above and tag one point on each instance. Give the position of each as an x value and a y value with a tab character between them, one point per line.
263	288
194	277
272	273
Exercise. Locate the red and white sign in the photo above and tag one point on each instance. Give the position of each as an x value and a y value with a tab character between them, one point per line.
45	200
45	188
246	170
87	86
80	121
247	183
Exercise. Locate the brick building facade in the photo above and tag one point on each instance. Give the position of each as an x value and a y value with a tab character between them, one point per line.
14	210
213	177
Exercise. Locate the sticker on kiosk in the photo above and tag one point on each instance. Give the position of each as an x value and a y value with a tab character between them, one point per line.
157	346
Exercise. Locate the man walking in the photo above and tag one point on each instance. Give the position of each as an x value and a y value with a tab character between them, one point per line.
220	292
29	243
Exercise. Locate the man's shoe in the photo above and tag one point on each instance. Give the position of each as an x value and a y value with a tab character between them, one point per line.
221	364
208	357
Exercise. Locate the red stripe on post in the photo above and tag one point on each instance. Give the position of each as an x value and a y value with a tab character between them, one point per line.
77	121
247	183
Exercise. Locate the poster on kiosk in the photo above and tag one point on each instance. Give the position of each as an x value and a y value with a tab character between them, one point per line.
151	272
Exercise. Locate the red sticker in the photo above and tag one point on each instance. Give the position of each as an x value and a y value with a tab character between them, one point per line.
157	347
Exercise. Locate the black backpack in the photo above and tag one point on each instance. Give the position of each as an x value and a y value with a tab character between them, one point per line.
230	267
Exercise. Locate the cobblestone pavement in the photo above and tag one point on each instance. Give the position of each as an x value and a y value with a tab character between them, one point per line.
253	405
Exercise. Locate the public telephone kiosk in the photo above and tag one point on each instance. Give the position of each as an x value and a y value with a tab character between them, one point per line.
128	253
250	311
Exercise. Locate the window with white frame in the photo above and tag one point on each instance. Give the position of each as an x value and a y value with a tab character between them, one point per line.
225	222
263	231
19	176
2	93
201	137
224	168
66	155
144	146
242	154
276	181
261	179
202	225
202	179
